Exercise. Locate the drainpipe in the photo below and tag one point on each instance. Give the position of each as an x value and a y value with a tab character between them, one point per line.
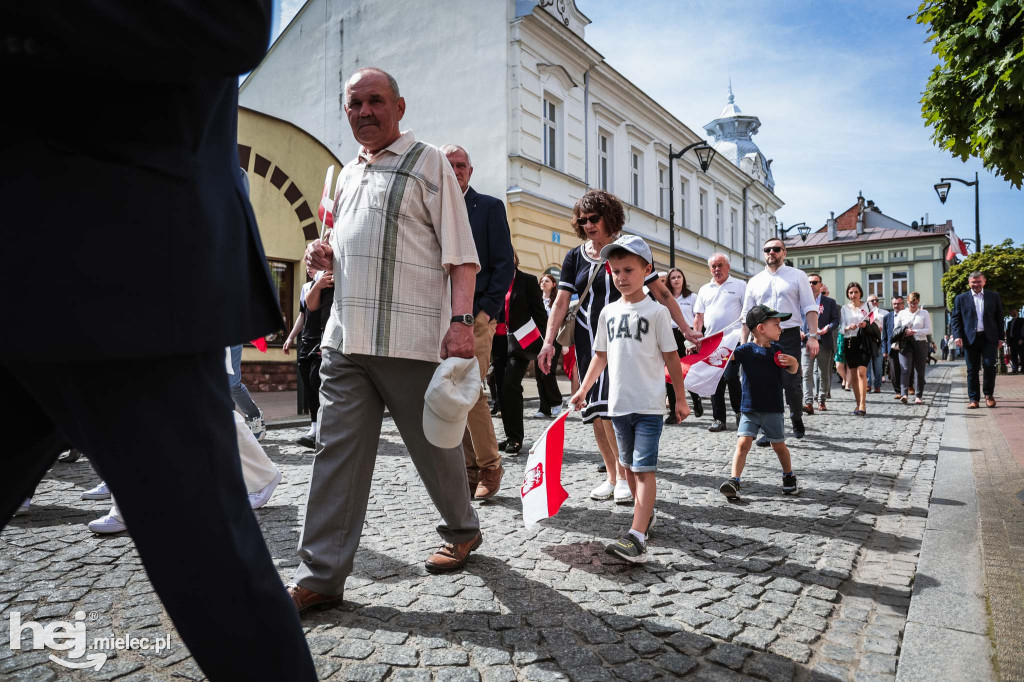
745	188
586	127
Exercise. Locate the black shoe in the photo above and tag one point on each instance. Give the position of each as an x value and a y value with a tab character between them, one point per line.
602	469
671	419
629	548
513	447
495	411
307	442
731	489
763	442
798	428
716	426
502	444
698	409
789	486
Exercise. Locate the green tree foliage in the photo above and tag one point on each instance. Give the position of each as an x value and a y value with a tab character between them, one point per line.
974	99
1003	266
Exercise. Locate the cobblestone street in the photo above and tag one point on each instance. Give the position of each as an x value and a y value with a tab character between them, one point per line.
815	586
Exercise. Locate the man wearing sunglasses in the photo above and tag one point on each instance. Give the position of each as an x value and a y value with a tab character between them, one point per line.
875	361
817	371
786	290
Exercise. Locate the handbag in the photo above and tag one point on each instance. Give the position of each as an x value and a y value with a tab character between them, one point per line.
567	331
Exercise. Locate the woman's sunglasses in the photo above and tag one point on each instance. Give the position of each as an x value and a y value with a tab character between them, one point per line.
588	219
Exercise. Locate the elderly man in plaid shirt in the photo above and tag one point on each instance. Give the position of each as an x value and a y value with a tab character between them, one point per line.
402	233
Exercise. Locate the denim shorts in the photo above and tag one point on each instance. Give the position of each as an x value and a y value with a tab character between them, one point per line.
637	436
772	423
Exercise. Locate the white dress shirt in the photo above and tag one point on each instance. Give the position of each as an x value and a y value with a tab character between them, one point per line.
720	303
786	290
920	322
979	305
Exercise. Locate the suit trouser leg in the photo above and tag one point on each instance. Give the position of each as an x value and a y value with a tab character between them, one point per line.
351	411
988	361
790	342
403	383
895	371
823	374
808	367
148	459
920	365
972	355
479	445
512	396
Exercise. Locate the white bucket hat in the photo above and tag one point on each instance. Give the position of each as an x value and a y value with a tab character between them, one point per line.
453	390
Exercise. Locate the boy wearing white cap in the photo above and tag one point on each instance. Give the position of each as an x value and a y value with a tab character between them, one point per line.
634	340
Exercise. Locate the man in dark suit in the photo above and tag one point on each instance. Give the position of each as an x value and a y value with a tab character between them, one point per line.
817	371
154	264
892	355
494	248
525	314
1015	340
977	325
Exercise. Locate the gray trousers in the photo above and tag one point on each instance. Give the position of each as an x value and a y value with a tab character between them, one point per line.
354	391
817	373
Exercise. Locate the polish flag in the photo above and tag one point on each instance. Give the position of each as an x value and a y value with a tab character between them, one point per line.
326	210
260	343
957	247
542	490
527	334
703	370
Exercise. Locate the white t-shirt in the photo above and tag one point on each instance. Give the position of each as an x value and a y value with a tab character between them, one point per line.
720	303
635	335
686	308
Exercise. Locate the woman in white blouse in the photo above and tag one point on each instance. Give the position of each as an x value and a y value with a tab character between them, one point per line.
914	351
853	317
685	298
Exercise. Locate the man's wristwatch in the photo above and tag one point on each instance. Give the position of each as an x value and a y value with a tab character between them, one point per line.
816	337
466	319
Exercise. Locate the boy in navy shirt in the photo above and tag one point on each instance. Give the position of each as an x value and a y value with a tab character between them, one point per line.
762	406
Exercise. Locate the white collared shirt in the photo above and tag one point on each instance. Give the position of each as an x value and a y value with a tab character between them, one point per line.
979	305
786	290
920	322
720	303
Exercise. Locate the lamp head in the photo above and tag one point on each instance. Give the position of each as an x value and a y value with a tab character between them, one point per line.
942	189
704	154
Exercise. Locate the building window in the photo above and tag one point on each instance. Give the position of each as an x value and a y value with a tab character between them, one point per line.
718	222
281	273
874	256
662	191
757	233
703	209
901	254
900	283
636	178
876	285
684	191
603	162
550	133
805	262
734	229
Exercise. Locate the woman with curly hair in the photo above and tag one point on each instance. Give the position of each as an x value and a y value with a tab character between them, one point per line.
597	218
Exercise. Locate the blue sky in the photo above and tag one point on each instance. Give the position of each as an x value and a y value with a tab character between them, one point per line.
835	83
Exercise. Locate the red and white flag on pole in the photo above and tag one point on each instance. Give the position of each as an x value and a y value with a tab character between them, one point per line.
957	247
542	490
703	370
527	334
326	210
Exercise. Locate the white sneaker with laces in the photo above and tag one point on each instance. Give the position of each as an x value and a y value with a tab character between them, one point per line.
539	415
108	524
100	492
256	425
262	496
556	410
603	491
622	493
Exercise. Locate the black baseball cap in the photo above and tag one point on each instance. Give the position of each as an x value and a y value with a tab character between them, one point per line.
760	313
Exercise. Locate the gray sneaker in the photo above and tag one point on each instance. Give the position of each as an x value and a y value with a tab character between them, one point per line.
731	489
629	548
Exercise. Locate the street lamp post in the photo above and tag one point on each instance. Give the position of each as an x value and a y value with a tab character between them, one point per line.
704	154
803	229
942	189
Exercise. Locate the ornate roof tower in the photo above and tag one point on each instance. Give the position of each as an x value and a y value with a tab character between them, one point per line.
733	131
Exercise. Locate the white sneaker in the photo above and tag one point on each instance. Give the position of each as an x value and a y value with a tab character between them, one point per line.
23	507
603	491
262	496
539	415
107	524
622	493
256	425
556	410
100	492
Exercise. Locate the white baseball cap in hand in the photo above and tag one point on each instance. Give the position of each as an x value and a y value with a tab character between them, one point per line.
453	390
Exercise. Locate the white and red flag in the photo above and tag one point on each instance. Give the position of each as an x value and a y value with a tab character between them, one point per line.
326	210
542	490
527	334
703	370
957	247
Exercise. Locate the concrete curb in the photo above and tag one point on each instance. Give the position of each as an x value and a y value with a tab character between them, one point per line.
946	635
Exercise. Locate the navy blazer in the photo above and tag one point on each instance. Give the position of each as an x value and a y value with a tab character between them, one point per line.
494	248
128	214
828	313
964	319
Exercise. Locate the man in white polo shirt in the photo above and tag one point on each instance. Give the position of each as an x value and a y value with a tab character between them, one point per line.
717	307
785	289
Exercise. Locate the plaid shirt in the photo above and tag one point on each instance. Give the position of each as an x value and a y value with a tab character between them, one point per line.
399	222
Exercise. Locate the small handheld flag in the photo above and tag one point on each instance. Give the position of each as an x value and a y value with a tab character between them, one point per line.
542	490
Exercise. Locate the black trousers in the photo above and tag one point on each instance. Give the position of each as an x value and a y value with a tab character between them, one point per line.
499	355
547	384
791	383
160	433
980	355
309	365
512	394
1015	353
730	378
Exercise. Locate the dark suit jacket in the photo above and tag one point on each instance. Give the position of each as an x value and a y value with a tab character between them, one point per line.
526	303
829	315
494	248
120	191
964	320
1015	329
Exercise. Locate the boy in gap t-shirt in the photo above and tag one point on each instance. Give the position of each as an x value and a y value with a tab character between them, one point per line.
634	340
762	406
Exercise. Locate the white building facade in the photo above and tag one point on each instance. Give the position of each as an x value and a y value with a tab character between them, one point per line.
542	115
